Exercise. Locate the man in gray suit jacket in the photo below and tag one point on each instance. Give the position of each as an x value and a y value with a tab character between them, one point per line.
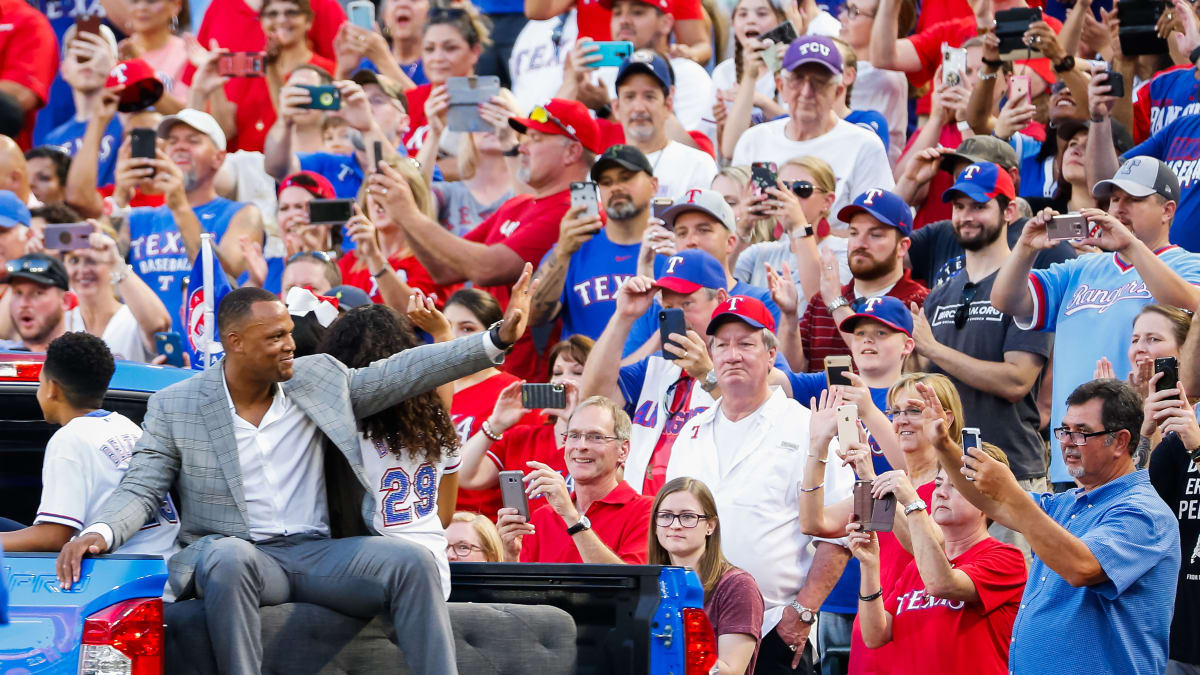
241	443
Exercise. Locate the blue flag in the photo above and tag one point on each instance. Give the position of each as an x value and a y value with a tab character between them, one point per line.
207	286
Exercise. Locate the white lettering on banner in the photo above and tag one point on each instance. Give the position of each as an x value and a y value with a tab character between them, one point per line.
920	599
1186	170
1099	299
509	227
1164	115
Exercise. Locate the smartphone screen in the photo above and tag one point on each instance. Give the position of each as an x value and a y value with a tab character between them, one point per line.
670	321
378	154
1169	367
763	174
330	211
971	439
836	368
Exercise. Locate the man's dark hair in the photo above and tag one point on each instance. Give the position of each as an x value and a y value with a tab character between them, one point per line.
238	304
82	365
1121	408
60	160
1003	201
55	214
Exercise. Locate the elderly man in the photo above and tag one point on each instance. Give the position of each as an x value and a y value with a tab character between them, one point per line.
1090	302
562	529
37	309
750	448
1106	554
809	84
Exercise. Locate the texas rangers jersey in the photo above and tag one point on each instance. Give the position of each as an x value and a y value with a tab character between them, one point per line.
84	462
1090	303
1178	146
406	496
1162	99
595	273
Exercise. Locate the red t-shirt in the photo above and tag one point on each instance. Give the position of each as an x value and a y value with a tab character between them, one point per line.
819	334
529	227
621	519
28	57
736	606
934	209
595	20
255	111
966	637
528	443
138	199
409	269
468	409
418	125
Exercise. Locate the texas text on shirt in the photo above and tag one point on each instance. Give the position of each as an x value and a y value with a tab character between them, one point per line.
1134	537
1072	299
537	57
1178	146
756	486
594	275
85	461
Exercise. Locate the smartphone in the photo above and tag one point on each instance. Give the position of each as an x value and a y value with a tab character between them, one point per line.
361	13
170	345
242	64
512	492
876	515
466	94
836	368
1067	226
330	211
1116	82
863	502
847	425
612	53
1138	27
1169	367
670	321
782	34
1018	89
378	155
89	23
659	206
67	236
954	65
587	195
143	143
537	396
763	175
971	439
1011	25
324	96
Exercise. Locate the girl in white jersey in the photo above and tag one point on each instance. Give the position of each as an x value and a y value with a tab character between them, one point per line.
410	451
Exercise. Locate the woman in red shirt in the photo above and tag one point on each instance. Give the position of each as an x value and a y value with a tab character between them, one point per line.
382	249
687	533
951	608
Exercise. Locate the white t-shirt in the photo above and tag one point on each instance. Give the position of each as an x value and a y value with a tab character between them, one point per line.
885	92
536	62
694	94
724	78
855	155
123	335
406	502
825	24
84	462
680	168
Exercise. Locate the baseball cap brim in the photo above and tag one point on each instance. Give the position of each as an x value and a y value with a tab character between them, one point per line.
36	278
607	162
637	68
8	223
851	321
1104	188
725	317
678	285
971	190
672	213
792	65
523	124
852	210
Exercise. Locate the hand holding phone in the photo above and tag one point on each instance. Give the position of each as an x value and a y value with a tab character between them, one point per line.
587	195
512	492
1169	367
836	368
170	345
1018	89
971	439
67	236
671	321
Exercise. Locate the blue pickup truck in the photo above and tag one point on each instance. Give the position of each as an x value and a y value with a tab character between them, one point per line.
507	618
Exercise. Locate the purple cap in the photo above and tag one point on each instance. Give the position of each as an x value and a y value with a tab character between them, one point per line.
886	207
813	49
887	310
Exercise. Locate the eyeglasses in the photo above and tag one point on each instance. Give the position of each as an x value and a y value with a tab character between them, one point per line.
854	12
816	82
542	116
964	305
910	413
462	549
1065	435
803	188
450	13
589	438
282	14
688	520
320	256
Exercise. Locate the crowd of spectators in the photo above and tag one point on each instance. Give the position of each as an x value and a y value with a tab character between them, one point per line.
699	223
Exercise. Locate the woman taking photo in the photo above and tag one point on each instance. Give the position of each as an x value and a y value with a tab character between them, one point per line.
410	450
156	35
687	533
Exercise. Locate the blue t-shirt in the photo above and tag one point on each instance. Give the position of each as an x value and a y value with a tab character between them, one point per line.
501	7
157	253
343	171
872	121
595	273
1169	95
60	107
414	70
1178	145
1037	172
1089	303
69	137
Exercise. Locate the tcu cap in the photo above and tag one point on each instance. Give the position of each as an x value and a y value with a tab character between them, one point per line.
1141	176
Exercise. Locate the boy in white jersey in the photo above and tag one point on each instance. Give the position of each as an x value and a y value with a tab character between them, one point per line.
88	456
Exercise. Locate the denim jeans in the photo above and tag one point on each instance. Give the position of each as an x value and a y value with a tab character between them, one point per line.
833	642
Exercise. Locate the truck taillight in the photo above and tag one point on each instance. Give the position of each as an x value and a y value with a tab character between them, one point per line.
700	644
20	371
124	639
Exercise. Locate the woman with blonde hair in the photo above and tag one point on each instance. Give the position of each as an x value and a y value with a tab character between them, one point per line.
471	537
687	533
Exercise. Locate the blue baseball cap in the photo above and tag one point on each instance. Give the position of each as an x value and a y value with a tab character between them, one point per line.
689	271
887	310
886	207
981	182
13	211
649	62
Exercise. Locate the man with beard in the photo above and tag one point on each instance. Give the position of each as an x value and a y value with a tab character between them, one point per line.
993	363
38	284
580	276
644	105
164	240
880	225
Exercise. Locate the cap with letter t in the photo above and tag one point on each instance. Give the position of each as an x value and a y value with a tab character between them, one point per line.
886	310
1141	176
750	311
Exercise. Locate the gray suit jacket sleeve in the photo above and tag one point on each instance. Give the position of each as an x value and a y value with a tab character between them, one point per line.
386	382
152	471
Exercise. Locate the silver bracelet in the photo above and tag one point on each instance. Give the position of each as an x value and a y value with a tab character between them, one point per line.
823	461
814	488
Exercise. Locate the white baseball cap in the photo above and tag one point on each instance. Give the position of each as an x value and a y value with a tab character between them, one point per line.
706	201
196	119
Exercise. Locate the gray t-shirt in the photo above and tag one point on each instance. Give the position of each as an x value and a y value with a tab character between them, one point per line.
987	335
458	210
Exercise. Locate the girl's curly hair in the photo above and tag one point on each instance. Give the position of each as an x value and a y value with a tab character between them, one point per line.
366	334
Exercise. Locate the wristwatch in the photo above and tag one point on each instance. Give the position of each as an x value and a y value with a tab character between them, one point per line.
1194	55
1066	65
918	505
837	304
1194	455
806	615
710	382
583	524
494	334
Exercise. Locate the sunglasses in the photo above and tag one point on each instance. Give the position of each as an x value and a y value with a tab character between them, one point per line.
27	265
543	116
802	188
964	305
321	256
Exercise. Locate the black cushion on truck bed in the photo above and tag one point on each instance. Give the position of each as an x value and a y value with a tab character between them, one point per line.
490	638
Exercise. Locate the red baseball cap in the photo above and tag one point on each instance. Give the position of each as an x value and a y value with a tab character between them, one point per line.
661	5
744	308
316	184
561	117
142	87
